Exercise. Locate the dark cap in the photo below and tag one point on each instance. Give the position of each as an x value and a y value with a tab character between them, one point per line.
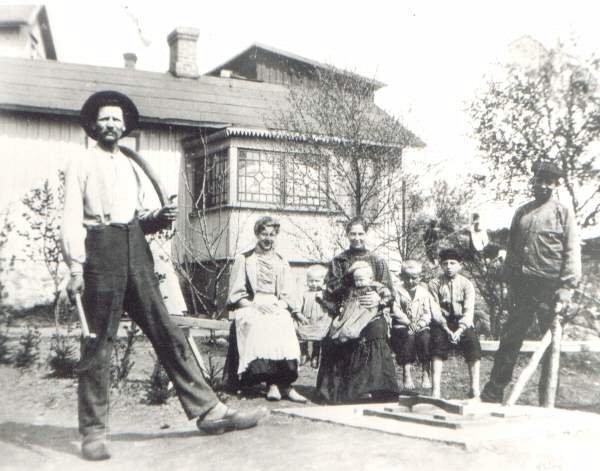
266	221
450	254
89	111
547	168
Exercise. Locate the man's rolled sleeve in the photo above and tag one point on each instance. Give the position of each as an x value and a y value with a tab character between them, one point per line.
72	230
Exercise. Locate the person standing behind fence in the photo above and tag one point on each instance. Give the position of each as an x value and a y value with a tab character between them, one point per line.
313	320
111	267
542	267
478	236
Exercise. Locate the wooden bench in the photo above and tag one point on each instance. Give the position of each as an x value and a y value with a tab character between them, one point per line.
529	346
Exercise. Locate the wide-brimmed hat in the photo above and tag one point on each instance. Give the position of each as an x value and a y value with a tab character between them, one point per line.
89	110
547	168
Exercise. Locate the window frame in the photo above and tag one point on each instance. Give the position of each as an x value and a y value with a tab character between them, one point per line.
281	196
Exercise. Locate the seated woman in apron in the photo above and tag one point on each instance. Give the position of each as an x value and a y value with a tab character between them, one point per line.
263	346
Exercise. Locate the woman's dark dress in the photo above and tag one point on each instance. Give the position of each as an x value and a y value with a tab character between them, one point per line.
351	370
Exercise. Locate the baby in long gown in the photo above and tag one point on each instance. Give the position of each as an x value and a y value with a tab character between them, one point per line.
353	317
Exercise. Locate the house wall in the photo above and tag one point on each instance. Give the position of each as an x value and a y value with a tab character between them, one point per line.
307	235
34	147
22	41
11	43
273	68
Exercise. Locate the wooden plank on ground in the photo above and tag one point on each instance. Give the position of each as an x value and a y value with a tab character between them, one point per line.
414	418
448	406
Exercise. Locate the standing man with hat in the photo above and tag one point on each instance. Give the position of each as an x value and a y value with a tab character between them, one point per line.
543	266
111	266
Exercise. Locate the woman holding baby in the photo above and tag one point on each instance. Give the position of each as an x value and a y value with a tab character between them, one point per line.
356	360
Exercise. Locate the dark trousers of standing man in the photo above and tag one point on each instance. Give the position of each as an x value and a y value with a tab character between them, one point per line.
119	276
529	297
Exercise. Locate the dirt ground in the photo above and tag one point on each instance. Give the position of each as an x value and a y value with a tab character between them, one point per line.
38	429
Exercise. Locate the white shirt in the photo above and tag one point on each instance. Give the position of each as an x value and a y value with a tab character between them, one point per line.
100	188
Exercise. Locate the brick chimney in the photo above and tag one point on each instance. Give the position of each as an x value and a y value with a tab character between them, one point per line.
130	60
182	52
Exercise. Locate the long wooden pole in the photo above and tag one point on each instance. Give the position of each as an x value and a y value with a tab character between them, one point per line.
528	371
550	382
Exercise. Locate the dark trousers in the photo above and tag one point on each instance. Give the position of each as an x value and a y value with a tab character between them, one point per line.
468	345
410	347
528	297
119	276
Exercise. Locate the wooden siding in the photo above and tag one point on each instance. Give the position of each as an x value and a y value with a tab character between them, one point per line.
37	146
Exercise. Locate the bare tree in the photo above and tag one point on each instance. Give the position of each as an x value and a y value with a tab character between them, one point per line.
6	227
342	146
549	111
201	257
43	205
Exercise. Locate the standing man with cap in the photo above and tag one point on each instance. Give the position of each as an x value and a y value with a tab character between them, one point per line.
543	266
111	266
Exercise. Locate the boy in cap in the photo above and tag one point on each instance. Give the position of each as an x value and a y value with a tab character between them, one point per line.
455	295
103	231
542	267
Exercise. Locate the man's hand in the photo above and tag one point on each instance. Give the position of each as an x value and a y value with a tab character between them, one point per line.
75	285
562	299
167	214
369	300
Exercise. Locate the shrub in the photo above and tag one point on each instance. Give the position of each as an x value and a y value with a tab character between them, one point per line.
5	351
28	352
214	374
62	359
122	362
157	389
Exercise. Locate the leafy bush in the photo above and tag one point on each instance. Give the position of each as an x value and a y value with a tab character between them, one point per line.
122	362
28	352
62	359
157	389
5	351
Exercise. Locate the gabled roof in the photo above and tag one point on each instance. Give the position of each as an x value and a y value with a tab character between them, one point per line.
214	102
59	88
18	15
250	52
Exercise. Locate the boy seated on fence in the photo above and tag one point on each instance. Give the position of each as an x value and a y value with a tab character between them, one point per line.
313	319
353	317
454	329
413	310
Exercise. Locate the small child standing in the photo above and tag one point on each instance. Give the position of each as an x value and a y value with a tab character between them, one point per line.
455	295
313	319
414	308
353	317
